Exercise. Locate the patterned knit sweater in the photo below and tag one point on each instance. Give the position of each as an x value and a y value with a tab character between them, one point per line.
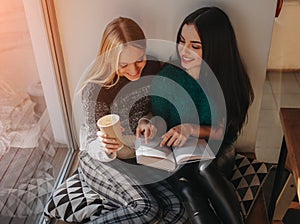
129	99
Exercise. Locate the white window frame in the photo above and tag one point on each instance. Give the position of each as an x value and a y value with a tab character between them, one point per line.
47	68
51	73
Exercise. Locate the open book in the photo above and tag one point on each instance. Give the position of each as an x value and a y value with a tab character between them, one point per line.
170	159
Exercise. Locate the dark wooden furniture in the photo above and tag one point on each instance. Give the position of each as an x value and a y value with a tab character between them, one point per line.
289	154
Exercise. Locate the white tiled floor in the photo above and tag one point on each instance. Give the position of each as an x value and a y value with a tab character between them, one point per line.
280	90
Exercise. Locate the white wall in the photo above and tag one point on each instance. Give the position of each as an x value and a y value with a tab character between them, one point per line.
81	24
285	47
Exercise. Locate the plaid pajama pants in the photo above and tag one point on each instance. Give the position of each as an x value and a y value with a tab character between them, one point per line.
126	200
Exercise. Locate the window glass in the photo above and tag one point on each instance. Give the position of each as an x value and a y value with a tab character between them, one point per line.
31	160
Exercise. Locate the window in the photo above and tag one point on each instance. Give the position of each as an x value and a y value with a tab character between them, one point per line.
36	145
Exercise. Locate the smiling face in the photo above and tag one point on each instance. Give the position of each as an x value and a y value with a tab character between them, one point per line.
190	48
132	61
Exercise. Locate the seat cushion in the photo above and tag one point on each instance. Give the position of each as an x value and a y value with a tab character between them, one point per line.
247	178
74	201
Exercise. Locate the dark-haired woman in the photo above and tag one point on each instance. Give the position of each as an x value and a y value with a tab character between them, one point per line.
207	51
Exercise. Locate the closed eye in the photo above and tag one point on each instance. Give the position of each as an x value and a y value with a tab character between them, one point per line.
196	46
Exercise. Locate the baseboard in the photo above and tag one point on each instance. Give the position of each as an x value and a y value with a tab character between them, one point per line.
283	70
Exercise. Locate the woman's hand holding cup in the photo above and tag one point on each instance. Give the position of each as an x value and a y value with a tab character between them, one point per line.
110	144
110	133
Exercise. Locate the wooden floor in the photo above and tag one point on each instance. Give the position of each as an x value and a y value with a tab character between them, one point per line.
28	175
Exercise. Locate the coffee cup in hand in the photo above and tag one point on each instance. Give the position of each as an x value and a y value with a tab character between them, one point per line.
110	125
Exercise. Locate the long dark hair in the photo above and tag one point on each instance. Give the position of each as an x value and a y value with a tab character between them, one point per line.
220	52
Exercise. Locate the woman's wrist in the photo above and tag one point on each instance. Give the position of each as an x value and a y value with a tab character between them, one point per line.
194	131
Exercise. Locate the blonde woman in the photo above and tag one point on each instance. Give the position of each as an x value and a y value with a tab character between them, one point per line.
121	63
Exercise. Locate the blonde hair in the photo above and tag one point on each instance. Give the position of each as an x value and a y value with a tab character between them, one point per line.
117	34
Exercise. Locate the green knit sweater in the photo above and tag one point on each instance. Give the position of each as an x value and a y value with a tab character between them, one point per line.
178	98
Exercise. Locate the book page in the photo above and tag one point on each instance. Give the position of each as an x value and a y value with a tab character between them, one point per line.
152	149
193	150
152	154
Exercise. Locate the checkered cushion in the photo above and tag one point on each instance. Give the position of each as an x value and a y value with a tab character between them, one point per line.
74	201
248	177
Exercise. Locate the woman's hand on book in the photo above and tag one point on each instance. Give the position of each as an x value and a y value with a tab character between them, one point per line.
146	128
178	135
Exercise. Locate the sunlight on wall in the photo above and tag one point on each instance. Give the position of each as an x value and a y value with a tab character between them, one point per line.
17	64
285	47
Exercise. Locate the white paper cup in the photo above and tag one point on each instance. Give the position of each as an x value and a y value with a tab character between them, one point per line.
110	125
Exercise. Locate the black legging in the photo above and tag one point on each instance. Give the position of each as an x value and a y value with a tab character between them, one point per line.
198	182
